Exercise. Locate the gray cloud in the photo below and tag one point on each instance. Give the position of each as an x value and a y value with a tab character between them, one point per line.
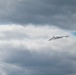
20	55
56	12
40	63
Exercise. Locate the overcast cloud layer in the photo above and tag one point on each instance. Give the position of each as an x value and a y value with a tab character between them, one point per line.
27	51
60	13
25	28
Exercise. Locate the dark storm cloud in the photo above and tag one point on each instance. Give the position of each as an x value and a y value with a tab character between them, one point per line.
57	12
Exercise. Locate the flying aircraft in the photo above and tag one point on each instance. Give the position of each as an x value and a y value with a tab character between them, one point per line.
57	37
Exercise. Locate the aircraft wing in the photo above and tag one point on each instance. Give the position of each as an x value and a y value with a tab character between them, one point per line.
65	36
50	39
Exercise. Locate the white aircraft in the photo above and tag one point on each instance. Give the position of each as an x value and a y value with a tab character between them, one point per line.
57	37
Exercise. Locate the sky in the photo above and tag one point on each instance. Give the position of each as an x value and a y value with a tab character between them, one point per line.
25	28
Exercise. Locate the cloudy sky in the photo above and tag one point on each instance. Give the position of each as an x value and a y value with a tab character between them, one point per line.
25	28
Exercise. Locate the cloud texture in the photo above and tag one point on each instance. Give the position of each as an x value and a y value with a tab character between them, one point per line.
25	50
60	13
